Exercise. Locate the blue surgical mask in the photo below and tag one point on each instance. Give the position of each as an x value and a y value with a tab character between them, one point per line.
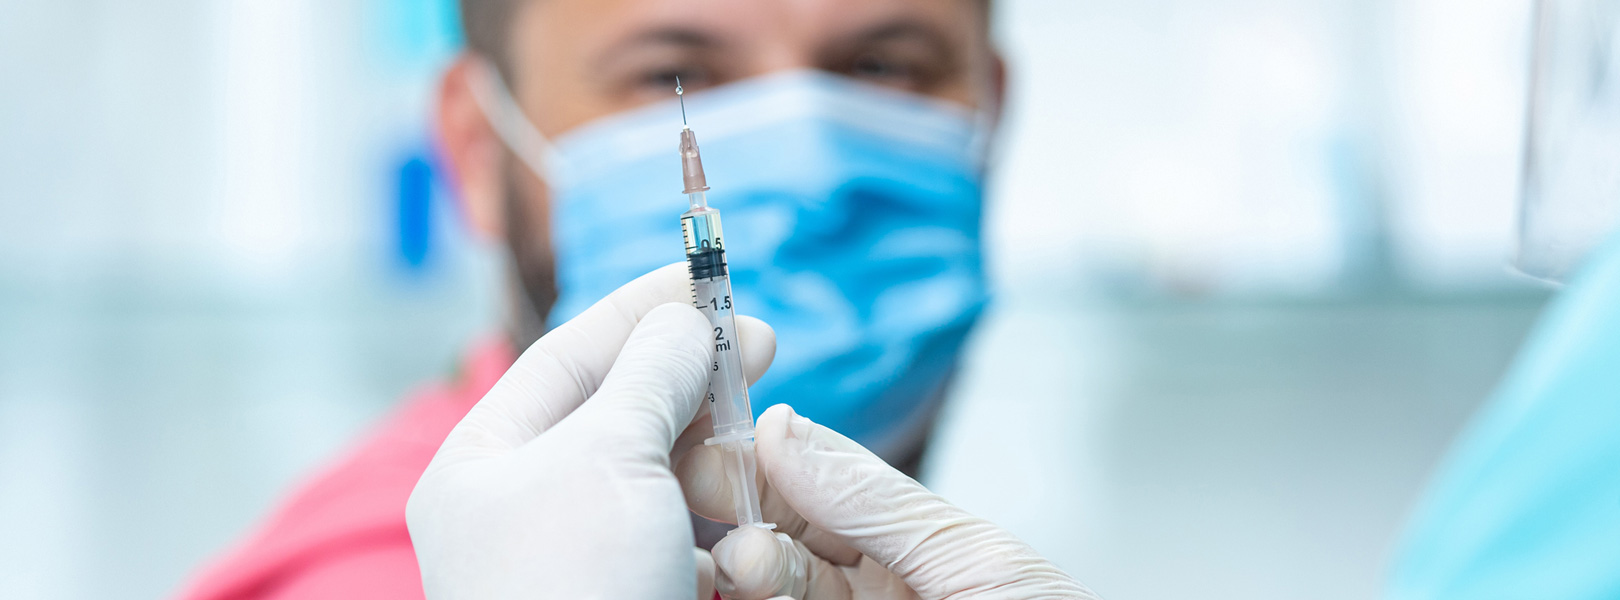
852	216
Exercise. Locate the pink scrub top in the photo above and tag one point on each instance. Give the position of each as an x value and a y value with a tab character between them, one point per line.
342	534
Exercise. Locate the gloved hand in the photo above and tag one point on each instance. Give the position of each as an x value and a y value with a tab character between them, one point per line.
850	526
558	481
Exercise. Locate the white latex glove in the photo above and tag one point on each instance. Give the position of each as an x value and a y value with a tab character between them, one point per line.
850	526
557	484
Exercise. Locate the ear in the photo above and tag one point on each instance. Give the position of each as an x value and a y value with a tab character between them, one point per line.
472	150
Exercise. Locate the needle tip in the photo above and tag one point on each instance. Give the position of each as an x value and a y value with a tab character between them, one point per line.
681	93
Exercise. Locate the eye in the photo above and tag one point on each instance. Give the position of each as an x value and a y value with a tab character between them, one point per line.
882	69
663	80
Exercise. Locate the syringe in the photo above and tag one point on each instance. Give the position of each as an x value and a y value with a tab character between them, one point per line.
711	293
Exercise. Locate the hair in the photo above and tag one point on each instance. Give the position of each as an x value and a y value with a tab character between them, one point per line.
487	27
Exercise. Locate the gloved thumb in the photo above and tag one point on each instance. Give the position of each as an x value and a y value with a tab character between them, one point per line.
653	390
939	550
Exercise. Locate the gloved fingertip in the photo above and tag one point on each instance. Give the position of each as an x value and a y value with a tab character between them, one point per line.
758	346
783	421
781	431
798	427
752	562
758	331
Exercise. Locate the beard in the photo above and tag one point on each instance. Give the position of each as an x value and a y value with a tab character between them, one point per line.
532	271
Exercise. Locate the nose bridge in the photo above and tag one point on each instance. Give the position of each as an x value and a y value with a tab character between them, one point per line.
783	53
784	39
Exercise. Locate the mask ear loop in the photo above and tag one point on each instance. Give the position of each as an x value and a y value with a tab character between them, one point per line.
986	121
537	153
519	134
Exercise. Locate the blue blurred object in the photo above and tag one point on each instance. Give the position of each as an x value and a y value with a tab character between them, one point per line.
415	210
853	218
1528	503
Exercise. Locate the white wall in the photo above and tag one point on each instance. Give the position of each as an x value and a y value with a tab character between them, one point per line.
1260	147
199	297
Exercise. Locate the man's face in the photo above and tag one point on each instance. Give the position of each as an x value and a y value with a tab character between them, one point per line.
573	61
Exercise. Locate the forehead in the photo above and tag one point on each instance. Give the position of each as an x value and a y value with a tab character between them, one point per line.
588	25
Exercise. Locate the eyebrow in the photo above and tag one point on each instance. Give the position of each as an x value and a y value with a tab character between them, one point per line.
668	35
901	29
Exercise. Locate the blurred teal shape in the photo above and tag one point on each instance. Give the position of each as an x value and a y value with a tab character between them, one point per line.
1528	503
417	33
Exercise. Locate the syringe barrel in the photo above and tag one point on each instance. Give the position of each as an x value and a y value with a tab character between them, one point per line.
711	289
728	387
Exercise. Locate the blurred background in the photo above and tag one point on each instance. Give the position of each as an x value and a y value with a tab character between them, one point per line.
1249	256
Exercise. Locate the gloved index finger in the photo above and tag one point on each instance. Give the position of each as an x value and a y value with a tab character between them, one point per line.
654	389
557	373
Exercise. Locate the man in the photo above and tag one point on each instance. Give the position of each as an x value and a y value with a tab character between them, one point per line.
845	142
